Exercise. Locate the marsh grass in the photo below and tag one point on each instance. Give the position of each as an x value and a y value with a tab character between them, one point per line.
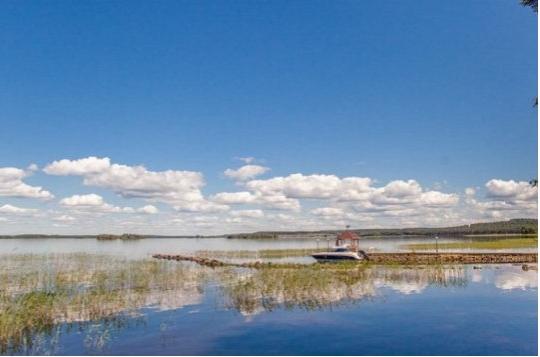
38	292
262	254
328	285
501	243
42	296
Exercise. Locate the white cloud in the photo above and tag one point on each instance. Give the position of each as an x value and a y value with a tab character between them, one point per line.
182	189
200	206
83	200
297	186
470	191
277	201
330	201
148	209
81	167
10	209
357	191
234	198
511	190
64	218
438	199
247	160
402	189
246	172
505	200
12	185
250	213
93	203
328	212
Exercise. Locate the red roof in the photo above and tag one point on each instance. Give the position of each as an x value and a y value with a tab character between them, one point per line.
348	235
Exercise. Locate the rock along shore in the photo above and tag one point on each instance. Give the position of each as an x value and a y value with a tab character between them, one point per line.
384	258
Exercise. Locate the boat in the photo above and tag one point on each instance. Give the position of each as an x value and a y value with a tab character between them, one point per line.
339	253
346	249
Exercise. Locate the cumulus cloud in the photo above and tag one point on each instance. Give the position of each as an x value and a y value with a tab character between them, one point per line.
438	199
276	201
470	191
330	201
182	189
250	213
148	209
81	167
511	190
12	185
506	199
357	191
10	209
297	186
95	203
200	206
83	200
246	172
234	198
328	212
64	218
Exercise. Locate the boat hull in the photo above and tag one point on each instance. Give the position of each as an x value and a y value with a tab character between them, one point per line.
336	256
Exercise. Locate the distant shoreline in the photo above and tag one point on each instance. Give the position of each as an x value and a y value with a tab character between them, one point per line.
513	227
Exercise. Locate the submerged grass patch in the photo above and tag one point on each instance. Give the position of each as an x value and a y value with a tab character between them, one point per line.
507	243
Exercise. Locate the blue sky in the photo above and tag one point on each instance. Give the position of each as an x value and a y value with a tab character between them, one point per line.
439	93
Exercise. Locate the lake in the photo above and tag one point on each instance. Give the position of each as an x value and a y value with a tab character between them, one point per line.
96	297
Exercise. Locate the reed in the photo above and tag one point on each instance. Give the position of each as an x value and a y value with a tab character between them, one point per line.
38	292
503	243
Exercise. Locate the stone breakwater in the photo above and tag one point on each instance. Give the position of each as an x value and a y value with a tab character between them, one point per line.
458	258
382	258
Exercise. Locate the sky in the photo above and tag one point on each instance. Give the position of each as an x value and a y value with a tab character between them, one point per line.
208	117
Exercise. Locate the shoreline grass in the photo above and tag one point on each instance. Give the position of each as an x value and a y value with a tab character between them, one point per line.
509	243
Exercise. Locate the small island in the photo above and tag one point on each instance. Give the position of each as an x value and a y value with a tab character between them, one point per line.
125	236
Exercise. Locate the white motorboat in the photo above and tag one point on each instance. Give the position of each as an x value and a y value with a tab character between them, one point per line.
339	253
342	251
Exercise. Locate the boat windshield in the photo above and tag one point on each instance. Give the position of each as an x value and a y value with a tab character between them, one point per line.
341	249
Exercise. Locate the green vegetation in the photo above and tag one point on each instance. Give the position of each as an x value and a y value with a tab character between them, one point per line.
322	285
97	294
256	235
262	254
125	236
494	244
513	226
38	292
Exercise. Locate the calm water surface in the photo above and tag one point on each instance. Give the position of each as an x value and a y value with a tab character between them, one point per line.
146	247
429	310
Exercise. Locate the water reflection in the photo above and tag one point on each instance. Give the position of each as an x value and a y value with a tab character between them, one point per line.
325	286
45	296
517	280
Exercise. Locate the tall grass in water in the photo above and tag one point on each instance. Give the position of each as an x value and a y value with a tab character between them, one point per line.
38	292
318	286
259	254
42	294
